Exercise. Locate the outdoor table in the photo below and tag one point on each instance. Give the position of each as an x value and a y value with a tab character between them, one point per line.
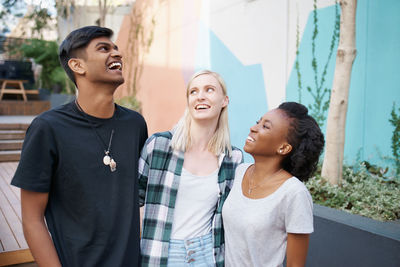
17	88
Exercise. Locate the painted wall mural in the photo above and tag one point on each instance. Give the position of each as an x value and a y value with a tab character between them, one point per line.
252	44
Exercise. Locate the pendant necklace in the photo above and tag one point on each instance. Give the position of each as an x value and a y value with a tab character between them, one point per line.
107	159
268	178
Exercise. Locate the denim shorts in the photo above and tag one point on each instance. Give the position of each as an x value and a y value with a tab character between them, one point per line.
197	251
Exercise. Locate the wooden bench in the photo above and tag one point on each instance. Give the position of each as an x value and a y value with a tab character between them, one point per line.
15	87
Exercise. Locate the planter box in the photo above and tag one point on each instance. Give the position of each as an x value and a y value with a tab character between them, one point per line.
19	107
60	99
341	239
55	99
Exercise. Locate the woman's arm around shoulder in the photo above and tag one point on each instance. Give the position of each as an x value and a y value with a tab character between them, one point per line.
158	141
237	155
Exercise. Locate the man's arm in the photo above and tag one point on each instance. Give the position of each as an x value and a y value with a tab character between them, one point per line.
36	234
296	251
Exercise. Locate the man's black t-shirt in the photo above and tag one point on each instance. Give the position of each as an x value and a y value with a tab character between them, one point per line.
92	213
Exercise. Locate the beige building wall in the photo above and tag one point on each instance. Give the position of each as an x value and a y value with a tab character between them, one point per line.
161	88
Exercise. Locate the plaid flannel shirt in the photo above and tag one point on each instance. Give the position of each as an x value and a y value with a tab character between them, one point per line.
160	169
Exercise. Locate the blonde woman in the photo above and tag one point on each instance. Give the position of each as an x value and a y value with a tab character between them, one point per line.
185	176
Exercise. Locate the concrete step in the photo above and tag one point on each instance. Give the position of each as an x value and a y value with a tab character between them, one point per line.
12	155
12	134
13	126
11	144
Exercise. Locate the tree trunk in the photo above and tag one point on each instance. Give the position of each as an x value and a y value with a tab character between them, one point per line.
103	12
64	12
332	167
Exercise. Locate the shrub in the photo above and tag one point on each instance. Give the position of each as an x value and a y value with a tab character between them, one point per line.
361	192
395	121
45	54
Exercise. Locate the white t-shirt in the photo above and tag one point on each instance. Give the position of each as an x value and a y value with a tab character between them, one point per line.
195	205
256	229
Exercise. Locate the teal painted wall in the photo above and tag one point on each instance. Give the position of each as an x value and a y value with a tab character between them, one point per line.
375	81
247	99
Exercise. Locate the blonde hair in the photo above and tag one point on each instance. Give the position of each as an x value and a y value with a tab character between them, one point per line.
220	142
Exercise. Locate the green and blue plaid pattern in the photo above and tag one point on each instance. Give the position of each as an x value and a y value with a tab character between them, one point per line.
160	169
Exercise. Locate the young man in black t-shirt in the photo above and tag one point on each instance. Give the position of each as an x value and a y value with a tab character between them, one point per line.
78	166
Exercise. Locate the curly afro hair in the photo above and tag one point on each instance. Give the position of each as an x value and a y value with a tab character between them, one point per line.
306	139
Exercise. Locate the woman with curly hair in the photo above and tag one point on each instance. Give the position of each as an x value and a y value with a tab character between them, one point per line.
269	211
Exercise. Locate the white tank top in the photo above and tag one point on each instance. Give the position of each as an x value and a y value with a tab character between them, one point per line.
195	205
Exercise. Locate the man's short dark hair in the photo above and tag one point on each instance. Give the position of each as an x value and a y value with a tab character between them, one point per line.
76	40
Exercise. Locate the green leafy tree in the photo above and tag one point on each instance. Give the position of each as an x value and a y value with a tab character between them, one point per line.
40	17
10	12
45	54
13	10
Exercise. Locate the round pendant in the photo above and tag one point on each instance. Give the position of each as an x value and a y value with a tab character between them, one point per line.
107	160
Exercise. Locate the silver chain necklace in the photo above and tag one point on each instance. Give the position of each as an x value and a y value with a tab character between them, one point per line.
107	159
250	181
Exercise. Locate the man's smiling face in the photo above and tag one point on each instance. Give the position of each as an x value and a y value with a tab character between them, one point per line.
103	62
